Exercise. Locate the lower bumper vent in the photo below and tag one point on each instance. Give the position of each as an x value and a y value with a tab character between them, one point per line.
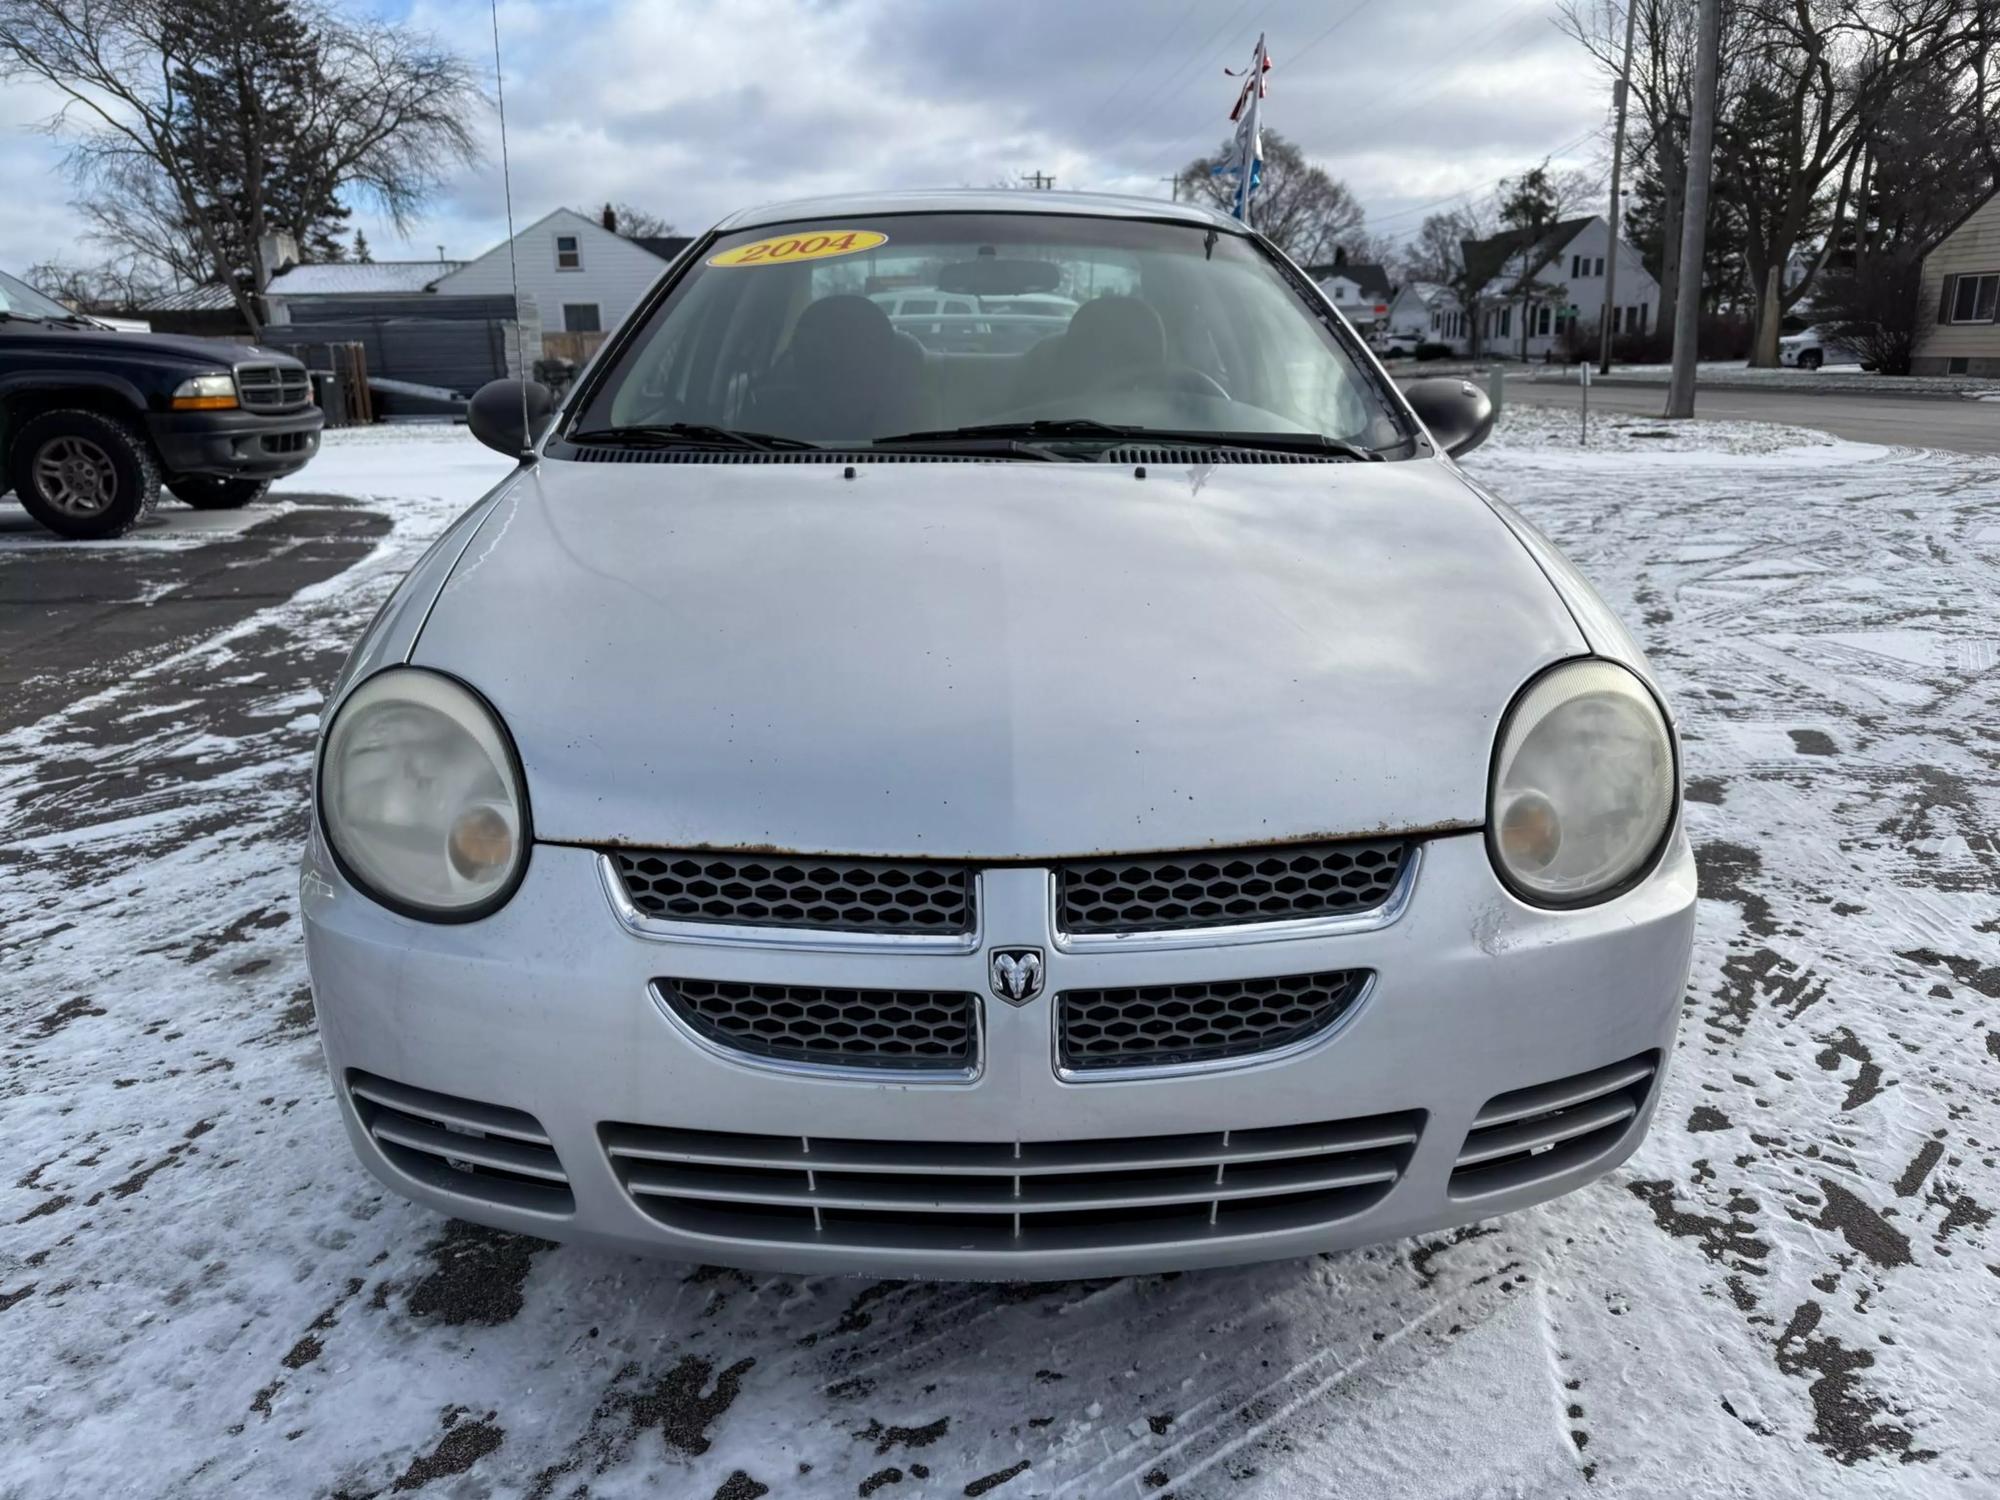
1007	1197
462	1146
911	1030
1172	1025
1536	1133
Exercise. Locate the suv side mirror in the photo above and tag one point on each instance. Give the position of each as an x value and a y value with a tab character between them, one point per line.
1457	412
495	415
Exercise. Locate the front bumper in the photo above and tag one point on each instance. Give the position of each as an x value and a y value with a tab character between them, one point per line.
236	444
546	1009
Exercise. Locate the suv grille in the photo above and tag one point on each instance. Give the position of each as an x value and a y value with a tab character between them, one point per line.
1169	1024
1007	1197
1543	1131
1214	888
834	895
903	1029
272	387
462	1146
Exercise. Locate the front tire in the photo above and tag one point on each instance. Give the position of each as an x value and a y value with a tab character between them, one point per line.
1812	359
84	475
206	493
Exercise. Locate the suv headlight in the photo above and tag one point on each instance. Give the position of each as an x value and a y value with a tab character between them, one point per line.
1584	785
421	797
205	393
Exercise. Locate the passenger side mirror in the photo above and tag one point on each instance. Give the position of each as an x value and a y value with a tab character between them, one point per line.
495	415
1457	412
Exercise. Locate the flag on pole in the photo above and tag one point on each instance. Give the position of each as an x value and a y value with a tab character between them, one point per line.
1247	163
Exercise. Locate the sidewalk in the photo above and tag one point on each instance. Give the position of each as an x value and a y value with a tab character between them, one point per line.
1729	375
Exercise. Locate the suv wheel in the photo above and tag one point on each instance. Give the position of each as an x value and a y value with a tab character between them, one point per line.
206	493
1811	359
83	474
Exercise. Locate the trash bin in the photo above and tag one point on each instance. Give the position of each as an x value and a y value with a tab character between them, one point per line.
332	400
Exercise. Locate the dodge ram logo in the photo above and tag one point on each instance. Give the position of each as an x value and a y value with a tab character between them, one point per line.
1017	974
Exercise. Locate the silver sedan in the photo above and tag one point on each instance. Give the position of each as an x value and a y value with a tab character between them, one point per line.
1116	802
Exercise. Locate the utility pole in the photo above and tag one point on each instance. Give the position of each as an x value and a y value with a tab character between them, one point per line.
1175	190
1694	226
1038	180
1624	93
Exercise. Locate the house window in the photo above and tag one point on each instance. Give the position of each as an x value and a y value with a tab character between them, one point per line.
1506	322
569	253
1970	299
1575	267
581	317
1600	267
1543	316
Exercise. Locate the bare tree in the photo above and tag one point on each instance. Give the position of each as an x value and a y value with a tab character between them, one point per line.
381	111
1300	208
112	286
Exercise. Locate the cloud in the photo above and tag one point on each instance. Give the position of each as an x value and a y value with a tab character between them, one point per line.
698	107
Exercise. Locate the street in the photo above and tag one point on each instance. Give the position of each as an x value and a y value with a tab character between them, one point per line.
1790	1290
1957	426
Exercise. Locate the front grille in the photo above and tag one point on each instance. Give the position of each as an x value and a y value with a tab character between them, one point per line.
1010	1197
1176	1024
272	387
462	1146
1215	888
834	895
909	1030
1532	1134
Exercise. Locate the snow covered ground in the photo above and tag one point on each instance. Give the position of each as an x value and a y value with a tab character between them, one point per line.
1793	1288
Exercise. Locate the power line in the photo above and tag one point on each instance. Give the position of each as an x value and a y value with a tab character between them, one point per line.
1173	89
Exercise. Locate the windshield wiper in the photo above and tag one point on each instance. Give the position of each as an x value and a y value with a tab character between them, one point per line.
688	434
1083	429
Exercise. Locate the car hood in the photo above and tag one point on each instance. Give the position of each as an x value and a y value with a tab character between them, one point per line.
999	660
87	343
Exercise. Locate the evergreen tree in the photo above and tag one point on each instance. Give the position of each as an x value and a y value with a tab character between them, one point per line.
362	254
248	75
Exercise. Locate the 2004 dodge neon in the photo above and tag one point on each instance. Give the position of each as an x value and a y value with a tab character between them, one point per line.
984	738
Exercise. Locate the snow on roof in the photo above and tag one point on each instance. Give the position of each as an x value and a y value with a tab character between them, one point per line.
360	278
209	297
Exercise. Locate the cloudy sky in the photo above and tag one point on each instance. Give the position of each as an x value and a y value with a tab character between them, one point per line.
693	107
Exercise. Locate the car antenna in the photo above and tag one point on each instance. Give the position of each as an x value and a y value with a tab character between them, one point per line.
513	271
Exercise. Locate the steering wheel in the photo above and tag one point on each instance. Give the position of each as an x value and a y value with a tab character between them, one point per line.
1168	380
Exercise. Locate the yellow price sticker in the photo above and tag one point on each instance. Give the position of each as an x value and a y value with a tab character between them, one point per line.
785	248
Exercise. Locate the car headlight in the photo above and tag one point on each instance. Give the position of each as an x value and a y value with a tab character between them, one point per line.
1584	785
421	797
205	393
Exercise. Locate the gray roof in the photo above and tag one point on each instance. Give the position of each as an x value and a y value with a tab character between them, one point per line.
208	297
360	278
978	201
666	246
1369	277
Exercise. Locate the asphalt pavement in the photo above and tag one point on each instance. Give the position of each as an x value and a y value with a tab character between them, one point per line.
1956	426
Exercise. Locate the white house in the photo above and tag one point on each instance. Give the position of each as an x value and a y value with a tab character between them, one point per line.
1531	291
1361	292
1429	311
582	277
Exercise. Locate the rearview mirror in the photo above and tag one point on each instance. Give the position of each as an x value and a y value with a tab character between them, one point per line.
989	276
497	412
1457	412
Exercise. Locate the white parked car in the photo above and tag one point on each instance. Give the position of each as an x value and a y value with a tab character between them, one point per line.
1396	343
1814	347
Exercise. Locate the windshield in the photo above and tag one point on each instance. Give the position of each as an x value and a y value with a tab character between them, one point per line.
851	331
19	300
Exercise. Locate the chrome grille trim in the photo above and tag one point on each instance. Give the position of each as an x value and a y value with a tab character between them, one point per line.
1531	1134
982	1197
461	1146
875	1032
788	939
1347	991
1286	930
1198	889
263	387
817	893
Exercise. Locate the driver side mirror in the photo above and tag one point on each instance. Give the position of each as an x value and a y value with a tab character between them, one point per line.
499	407
1458	413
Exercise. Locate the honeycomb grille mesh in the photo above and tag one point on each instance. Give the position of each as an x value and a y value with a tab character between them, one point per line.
1214	888
906	1029
833	895
1170	1024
